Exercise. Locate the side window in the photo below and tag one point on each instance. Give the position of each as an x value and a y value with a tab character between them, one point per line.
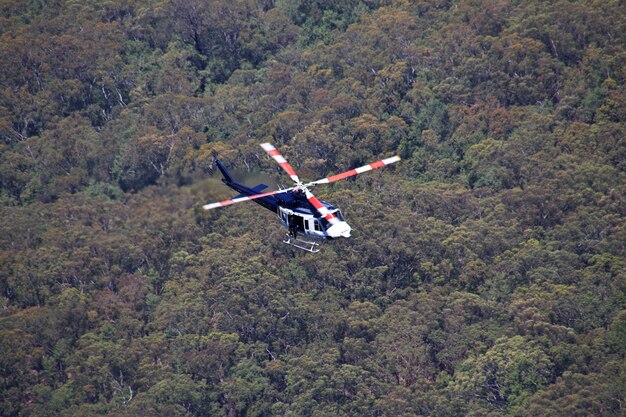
307	224
317	226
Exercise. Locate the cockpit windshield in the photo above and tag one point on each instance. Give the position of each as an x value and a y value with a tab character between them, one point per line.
338	214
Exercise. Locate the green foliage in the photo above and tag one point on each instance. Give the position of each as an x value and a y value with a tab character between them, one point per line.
505	375
485	274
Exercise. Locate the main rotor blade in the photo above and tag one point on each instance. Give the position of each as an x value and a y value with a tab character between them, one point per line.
241	199
273	152
359	170
321	208
338	227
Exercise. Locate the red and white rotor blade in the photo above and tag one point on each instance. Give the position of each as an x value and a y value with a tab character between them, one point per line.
338	227
274	153
242	199
321	208
355	171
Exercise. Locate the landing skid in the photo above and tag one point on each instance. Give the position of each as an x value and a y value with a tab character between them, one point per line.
301	244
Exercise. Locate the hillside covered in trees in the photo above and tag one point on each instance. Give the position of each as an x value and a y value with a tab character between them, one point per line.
486	271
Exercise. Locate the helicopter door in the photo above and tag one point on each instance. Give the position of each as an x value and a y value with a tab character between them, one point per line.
296	222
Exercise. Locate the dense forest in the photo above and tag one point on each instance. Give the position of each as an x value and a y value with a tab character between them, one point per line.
486	274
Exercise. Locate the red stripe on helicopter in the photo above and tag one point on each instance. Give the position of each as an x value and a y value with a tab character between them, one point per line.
278	157
287	168
342	175
322	209
316	203
377	164
359	170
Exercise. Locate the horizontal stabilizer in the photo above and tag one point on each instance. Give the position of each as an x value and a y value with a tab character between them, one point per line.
257	189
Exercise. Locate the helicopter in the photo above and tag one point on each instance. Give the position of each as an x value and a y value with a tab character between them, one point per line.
298	209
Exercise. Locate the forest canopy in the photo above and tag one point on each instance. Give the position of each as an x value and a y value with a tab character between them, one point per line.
486	271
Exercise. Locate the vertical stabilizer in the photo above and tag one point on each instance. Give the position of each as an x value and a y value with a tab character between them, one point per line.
225	173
